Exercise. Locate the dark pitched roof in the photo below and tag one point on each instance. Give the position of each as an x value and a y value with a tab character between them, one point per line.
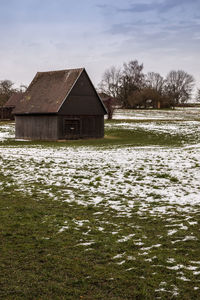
51	87
104	96
14	99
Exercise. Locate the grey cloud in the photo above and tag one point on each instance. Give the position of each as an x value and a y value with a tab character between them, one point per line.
155	31
171	4
160	7
154	35
138	7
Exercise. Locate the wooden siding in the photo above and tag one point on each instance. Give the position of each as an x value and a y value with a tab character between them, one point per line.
6	113
36	127
47	127
83	99
90	127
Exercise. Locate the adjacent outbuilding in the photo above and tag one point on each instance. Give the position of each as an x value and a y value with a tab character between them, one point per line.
60	105
6	112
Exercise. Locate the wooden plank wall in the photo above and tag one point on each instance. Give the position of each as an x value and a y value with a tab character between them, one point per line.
42	127
90	126
6	113
83	99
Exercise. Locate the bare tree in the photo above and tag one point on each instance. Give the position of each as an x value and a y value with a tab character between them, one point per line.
155	81
110	83
132	80
179	86
109	88
132	88
120	83
6	90
198	95
109	104
22	88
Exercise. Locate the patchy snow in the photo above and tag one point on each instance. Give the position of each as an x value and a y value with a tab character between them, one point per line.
177	114
189	129
6	131
191	268
140	173
183	278
118	256
183	127
63	228
149	248
121	262
189	238
80	223
130	258
196	272
171	232
119	180
173	289
177	267
86	243
126	238
116	177
195	262
171	260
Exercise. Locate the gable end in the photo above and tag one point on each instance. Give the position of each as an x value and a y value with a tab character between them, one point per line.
82	99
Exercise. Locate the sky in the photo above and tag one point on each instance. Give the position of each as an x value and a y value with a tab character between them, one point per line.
43	35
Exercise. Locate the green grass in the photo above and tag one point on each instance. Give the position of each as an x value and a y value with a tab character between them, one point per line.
167	176
53	248
113	137
39	262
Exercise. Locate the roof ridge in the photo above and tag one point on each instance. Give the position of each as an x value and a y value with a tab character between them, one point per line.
63	70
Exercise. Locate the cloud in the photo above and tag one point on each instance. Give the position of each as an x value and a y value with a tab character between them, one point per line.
49	34
168	17
139	8
158	6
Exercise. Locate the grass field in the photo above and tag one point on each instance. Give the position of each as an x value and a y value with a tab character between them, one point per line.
114	218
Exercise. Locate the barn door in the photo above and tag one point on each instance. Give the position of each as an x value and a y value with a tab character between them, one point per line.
72	128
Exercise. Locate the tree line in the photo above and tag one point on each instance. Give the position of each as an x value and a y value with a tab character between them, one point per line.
134	89
7	89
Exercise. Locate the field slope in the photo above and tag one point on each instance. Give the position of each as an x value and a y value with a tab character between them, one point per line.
115	218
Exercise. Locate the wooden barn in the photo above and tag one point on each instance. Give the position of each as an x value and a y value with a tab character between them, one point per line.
9	106
60	105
